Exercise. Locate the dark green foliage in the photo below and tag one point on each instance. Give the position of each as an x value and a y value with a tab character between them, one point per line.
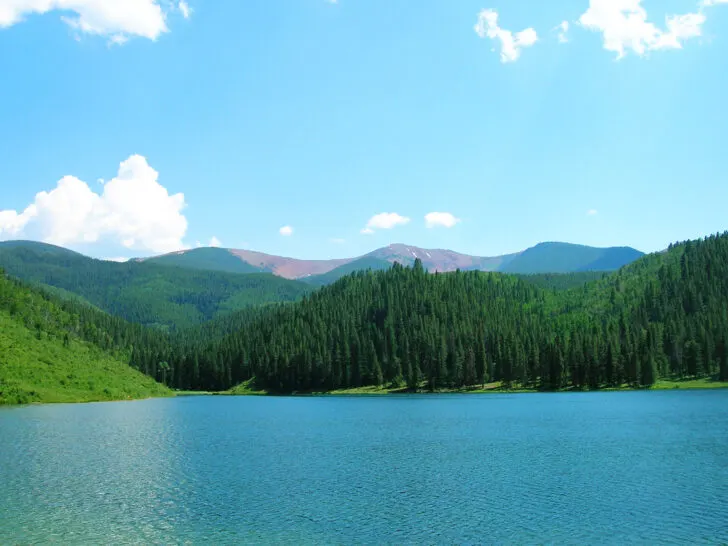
563	281
568	258
145	293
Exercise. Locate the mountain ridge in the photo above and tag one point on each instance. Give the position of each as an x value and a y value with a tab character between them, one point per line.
546	257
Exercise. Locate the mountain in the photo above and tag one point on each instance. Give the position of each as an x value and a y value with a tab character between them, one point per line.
146	293
46	355
360	264
39	248
211	259
543	258
569	258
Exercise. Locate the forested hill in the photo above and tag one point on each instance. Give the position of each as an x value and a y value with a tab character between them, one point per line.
51	351
569	258
146	293
663	316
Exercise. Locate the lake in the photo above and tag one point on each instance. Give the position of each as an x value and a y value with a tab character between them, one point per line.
591	468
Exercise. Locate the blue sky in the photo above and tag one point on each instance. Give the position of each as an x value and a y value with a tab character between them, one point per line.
320	116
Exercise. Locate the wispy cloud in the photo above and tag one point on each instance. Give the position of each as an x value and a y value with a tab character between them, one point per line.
185	9
592	212
563	32
286	231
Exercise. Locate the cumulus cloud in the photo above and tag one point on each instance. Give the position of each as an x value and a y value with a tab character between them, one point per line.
116	19
624	27
286	231
511	45
384	220
133	210
440	219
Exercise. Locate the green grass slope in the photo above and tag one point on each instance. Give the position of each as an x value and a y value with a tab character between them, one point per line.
210	259
56	350
45	370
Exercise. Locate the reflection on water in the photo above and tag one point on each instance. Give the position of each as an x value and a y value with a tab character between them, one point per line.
569	468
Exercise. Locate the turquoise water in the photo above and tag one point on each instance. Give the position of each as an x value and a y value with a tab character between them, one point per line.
599	468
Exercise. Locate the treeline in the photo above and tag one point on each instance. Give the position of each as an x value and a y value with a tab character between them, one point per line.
664	316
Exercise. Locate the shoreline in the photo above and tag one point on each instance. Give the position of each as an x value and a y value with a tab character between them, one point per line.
494	388
245	389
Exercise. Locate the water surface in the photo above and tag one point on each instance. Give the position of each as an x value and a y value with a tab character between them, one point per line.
596	468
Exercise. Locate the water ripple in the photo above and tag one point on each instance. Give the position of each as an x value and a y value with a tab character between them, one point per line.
602	468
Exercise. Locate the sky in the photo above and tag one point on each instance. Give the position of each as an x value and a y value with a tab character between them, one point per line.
319	128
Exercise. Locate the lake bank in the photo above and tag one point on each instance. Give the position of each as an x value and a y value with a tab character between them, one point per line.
248	389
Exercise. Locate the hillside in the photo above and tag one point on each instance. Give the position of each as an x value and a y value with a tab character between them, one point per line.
147	293
662	317
360	264
568	258
211	259
44	357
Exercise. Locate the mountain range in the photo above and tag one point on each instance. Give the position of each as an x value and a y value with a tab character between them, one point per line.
550	257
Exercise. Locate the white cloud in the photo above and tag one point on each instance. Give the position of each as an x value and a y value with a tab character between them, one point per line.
120	260
440	219
117	19
384	220
592	212
714	2
133	210
286	231
185	8
511	45
624	26
563	30
215	242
